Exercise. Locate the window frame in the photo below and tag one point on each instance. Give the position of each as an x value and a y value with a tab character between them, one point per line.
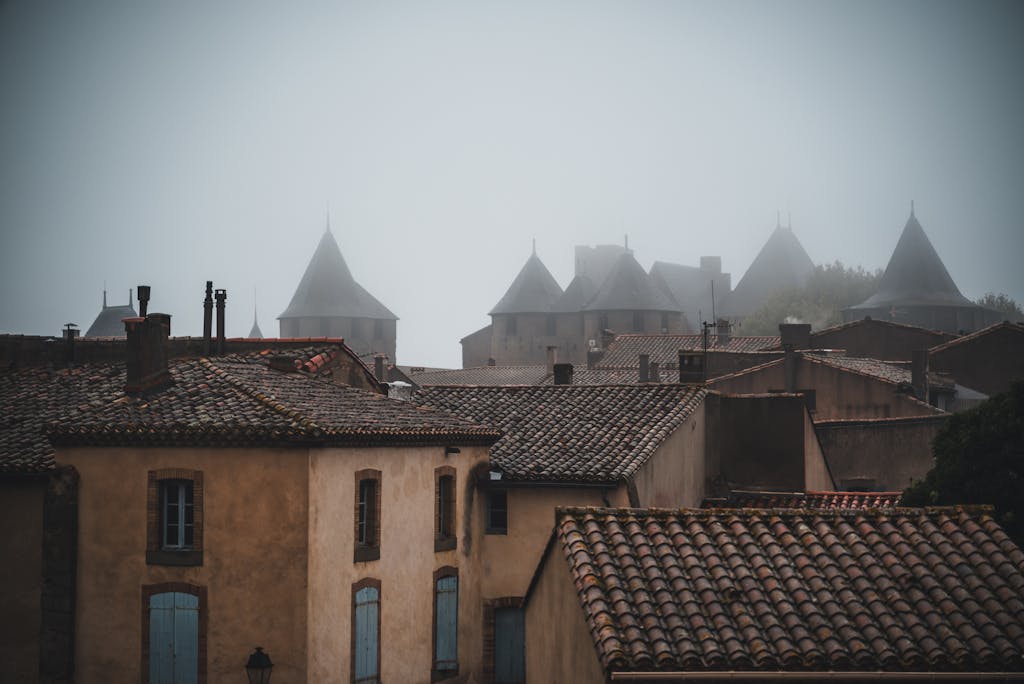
365	583
366	548
157	551
445	509
437	674
489	527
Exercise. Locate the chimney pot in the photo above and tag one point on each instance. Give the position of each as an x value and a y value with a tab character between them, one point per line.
208	318
221	296
645	367
146	347
723	331
143	294
563	373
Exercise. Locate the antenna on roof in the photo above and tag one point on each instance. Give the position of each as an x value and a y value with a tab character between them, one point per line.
105	294
131	293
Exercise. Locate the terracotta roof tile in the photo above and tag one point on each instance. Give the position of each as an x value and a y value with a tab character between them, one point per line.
571	432
827	500
231	400
482	375
625	349
938	589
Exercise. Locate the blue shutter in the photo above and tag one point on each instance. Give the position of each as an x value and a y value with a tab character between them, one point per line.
509	646
446	651
173	638
367	634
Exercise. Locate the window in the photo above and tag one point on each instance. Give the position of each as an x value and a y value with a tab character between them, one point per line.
366	631
510	326
174	517
444	509
174	621
497	511
446	623
367	516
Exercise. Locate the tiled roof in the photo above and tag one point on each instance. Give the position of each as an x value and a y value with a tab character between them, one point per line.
882	370
482	375
624	351
571	432
231	400
892	590
615	376
964	339
828	500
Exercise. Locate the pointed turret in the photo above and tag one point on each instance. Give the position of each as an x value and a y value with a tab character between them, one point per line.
534	290
781	264
108	321
329	303
916	289
629	288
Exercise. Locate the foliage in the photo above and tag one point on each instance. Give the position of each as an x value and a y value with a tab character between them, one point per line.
829	289
1003	304
979	459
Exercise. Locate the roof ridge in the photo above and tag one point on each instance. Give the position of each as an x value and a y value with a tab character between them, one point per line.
656	512
271	403
1010	325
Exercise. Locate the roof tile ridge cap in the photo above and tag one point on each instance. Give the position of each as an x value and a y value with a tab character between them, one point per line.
253	393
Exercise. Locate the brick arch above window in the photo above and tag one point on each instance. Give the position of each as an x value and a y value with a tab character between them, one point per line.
156	485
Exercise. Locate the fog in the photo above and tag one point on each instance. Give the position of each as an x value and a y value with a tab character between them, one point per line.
183	142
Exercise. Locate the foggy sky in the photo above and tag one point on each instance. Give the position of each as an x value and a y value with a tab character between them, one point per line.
174	144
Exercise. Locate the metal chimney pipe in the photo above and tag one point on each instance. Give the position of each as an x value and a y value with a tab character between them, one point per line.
220	296
143	294
208	318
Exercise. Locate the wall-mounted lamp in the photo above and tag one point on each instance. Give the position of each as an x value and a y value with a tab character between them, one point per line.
259	667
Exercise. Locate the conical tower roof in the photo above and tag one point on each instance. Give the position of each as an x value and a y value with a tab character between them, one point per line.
629	288
328	290
580	291
781	264
108	321
534	290
915	274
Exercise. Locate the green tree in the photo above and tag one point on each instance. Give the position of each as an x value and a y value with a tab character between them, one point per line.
979	459
829	289
1003	304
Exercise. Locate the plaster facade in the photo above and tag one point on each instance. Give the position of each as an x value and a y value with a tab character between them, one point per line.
21	509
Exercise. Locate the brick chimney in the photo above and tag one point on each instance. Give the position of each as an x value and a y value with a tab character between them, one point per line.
146	348
379	367
795	335
645	367
790	361
70	335
691	366
919	374
563	373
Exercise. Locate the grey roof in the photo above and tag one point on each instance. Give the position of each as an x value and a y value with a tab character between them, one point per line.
534	290
255	333
576	296
108	322
328	290
915	274
629	288
781	264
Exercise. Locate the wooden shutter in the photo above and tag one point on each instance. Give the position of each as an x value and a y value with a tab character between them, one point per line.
509	646
367	634
173	638
446	645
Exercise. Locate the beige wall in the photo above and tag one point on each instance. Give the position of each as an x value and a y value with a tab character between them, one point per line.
254	565
559	646
674	475
406	565
817	477
509	560
839	394
21	548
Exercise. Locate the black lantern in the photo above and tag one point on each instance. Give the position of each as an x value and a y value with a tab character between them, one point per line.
259	666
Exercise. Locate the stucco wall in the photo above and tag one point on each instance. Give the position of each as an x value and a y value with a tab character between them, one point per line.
21	548
839	394
988	363
254	564
889	452
509	560
405	567
674	476
817	476
559	646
